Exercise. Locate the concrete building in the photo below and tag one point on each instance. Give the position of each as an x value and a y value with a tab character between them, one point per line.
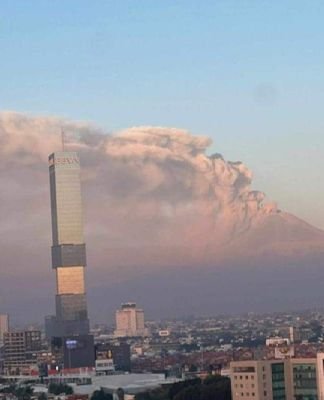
4	326
73	352
277	341
20	351
252	380
119	354
105	367
320	375
131	384
78	351
68	250
303	378
289	379
130	321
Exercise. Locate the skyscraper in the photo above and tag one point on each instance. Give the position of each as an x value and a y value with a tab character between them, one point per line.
68	250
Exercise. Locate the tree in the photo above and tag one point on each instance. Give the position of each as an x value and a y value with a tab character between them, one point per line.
42	396
101	395
9	389
216	379
219	390
23	392
143	396
189	393
155	394
59	388
179	386
213	387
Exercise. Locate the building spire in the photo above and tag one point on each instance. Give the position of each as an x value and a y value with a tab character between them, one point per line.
63	139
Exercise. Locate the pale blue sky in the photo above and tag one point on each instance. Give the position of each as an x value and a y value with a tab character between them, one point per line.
250	74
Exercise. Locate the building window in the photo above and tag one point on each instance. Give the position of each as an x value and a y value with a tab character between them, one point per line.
278	381
304	376
244	369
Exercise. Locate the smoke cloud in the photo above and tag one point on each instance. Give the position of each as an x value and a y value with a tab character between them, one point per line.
153	198
145	184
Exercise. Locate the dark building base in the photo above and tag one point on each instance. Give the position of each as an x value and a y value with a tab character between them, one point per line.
58	328
119	353
74	351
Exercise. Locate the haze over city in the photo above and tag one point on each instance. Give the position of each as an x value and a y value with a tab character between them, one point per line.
199	132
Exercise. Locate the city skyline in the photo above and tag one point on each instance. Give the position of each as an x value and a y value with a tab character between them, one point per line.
161	200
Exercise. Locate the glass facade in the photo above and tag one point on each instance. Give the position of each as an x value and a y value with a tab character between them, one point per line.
67	225
68	255
71	307
68	250
278	381
70	280
305	385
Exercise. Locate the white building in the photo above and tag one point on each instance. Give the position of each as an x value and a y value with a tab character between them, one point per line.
164	333
4	326
105	367
277	341
130	321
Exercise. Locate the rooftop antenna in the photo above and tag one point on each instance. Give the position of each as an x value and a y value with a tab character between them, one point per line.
63	139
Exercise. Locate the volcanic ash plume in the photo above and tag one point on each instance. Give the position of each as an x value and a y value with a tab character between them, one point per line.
163	220
148	188
187	197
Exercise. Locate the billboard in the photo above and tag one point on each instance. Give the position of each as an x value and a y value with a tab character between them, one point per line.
284	352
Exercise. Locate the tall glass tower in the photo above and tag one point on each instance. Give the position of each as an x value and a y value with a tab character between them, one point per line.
68	250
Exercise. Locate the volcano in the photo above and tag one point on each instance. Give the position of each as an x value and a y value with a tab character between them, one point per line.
165	222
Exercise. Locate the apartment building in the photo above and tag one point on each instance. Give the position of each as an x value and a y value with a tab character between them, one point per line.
289	379
20	350
258	380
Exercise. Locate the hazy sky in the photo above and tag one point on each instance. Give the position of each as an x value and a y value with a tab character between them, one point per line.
249	74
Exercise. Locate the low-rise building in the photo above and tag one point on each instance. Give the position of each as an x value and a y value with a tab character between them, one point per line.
119	354
293	378
105	367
